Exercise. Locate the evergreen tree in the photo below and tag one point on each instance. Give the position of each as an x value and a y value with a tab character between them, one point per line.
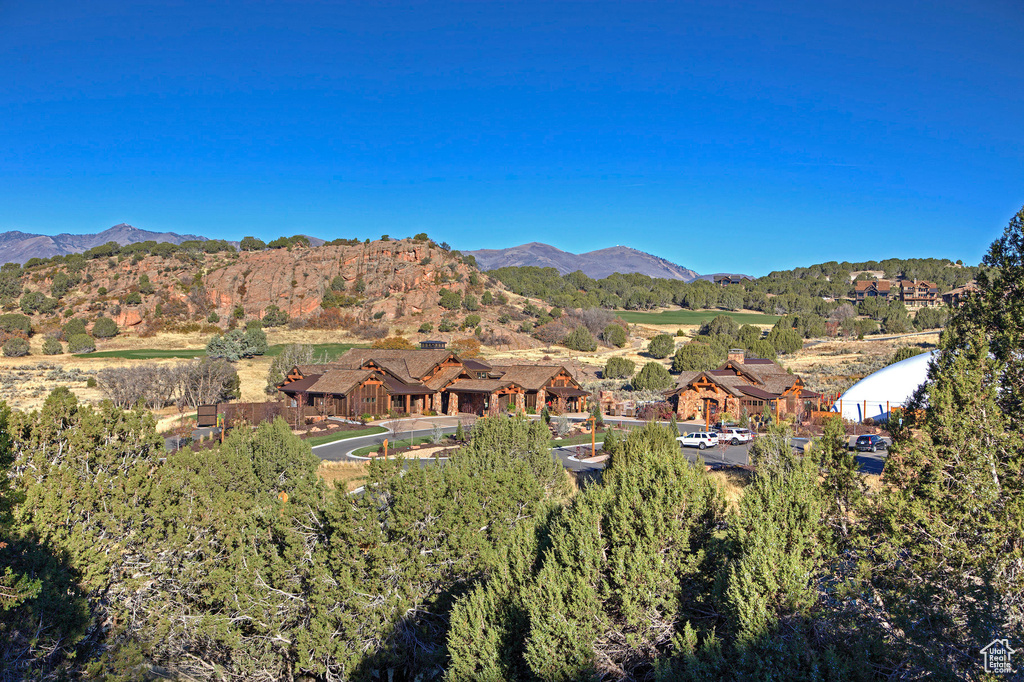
652	377
661	346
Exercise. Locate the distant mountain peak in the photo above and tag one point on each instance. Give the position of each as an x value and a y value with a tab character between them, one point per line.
597	264
18	247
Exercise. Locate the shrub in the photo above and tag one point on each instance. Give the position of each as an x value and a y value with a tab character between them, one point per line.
503	318
16	347
394	343
447	325
615	335
104	328
81	343
237	344
274	316
238	313
661	346
696	356
722	324
450	300
471	321
213	318
618	368
470	302
904	353
145	286
90	382
52	346
102	291
931	318
426	328
652	377
134	298
252	244
61	284
73	327
581	339
487	298
13	322
465	348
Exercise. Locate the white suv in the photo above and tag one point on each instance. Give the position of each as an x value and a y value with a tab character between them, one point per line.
699	439
735	436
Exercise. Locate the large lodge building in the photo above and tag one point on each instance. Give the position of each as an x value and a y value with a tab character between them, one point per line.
374	382
741	384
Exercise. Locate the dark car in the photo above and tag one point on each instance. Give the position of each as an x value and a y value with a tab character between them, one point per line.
871	444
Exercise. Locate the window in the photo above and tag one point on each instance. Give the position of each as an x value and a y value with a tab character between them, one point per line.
369	400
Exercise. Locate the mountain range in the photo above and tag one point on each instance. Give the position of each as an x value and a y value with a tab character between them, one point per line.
597	264
18	247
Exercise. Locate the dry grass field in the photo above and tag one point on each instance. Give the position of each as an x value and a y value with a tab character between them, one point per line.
345	476
833	365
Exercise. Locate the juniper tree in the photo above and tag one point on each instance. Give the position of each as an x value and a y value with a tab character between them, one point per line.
949	525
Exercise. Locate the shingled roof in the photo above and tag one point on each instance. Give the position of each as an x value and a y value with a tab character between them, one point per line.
530	377
340	381
405	364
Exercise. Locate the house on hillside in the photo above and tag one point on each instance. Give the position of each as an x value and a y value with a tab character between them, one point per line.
375	382
741	384
726	280
872	288
913	293
954	297
918	293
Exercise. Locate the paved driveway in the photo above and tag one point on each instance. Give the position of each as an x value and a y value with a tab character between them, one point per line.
730	455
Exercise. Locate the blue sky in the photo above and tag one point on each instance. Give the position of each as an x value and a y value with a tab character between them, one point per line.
724	136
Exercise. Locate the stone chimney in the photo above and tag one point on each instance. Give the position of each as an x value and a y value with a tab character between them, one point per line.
737	355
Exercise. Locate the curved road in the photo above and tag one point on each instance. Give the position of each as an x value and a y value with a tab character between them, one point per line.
729	455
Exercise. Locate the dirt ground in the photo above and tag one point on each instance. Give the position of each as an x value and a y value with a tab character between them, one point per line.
344	475
833	365
826	365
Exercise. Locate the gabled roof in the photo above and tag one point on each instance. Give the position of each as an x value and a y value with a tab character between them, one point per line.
531	377
480	385
340	381
299	385
767	386
443	378
405	364
878	284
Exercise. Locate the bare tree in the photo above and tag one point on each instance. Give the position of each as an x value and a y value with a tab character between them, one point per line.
206	381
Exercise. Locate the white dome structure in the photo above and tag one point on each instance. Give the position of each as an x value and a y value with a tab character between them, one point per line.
876	394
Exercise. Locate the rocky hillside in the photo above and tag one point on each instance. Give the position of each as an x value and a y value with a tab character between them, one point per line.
597	264
19	247
378	284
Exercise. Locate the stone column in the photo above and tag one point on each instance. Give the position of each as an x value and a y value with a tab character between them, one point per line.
521	402
541	399
453	404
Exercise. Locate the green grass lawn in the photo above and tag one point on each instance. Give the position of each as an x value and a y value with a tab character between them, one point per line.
345	435
320	350
364	451
580	439
692	317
